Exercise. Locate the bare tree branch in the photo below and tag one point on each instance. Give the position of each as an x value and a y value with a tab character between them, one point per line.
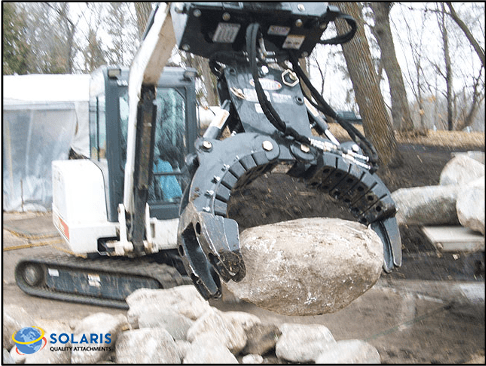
465	29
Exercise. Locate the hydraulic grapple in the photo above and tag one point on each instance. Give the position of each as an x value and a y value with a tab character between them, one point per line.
253	49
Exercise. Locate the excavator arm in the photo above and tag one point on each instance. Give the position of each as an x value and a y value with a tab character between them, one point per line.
253	49
145	71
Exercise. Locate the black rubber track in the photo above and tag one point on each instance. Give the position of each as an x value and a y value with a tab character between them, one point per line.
142	268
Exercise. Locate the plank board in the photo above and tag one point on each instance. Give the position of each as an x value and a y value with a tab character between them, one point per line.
454	238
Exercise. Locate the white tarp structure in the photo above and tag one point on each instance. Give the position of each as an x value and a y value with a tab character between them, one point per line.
43	117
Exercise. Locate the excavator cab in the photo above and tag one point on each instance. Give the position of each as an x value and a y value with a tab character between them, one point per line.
176	131
175	134
88	193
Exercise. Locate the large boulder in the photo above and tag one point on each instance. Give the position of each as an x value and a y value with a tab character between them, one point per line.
429	205
470	205
461	169
308	266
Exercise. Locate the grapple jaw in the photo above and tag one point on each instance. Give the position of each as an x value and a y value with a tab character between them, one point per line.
209	241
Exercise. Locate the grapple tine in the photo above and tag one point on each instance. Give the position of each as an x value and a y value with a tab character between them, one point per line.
387	230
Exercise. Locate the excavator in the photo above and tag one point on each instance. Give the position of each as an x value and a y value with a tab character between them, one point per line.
149	207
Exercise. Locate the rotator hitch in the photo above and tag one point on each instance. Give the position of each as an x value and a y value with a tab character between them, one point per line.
253	49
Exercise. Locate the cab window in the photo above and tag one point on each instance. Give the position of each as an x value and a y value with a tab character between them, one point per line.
170	144
97	127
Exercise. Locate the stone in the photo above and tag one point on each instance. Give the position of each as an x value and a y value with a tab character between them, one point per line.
14	319
252	359
209	339
461	169
303	342
429	205
176	324
186	300
308	266
147	345
470	205
182	347
208	348
6	358
261	338
231	335
98	323
246	320
476	155
349	352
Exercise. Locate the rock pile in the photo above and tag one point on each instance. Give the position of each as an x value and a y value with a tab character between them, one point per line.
458	199
178	326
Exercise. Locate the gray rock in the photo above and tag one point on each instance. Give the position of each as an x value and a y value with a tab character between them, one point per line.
476	155
186	300
208	348
182	347
208	339
429	205
201	354
349	351
148	345
308	266
303	342
461	169
14	319
176	324
98	323
246	320
6	358
470	205
231	335
252	359
261	338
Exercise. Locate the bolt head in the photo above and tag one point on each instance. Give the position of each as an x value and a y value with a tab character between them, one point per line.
226	17
197	13
301	7
305	148
267	145
207	145
299	23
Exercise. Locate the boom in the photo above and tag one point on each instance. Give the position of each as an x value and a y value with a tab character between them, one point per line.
145	71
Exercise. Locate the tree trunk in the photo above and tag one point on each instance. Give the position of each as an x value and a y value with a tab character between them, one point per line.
377	126
382	32
143	10
448	67
477	98
208	80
